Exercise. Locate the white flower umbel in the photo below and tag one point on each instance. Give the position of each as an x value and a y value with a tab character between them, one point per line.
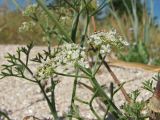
71	53
67	55
105	41
45	70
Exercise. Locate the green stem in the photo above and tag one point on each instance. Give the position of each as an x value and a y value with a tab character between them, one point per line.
102	94
85	28
52	108
91	107
67	75
53	98
62	30
73	93
5	115
113	76
26	66
106	112
99	65
81	101
117	81
75	26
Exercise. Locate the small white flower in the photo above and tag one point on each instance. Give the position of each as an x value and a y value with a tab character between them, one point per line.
75	55
70	52
105	49
27	26
83	53
106	40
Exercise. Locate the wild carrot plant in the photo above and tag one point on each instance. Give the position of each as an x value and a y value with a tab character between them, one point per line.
72	52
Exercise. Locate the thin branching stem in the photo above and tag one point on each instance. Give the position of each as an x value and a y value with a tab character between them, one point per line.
5	115
73	93
28	69
113	76
52	108
53	98
81	101
68	75
91	106
62	30
71	5
117	81
102	94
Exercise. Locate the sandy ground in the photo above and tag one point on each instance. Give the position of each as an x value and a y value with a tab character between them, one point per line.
20	98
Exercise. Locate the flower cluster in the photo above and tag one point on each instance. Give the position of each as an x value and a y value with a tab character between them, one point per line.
71	53
30	10
45	70
105	41
67	54
27	26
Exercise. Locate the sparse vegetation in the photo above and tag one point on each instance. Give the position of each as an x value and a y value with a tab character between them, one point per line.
55	26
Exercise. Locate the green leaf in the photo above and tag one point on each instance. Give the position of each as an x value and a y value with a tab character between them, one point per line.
148	85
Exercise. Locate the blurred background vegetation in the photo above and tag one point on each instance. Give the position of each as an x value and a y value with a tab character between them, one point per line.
131	18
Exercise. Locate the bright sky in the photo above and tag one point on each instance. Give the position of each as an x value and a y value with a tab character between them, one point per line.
22	3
